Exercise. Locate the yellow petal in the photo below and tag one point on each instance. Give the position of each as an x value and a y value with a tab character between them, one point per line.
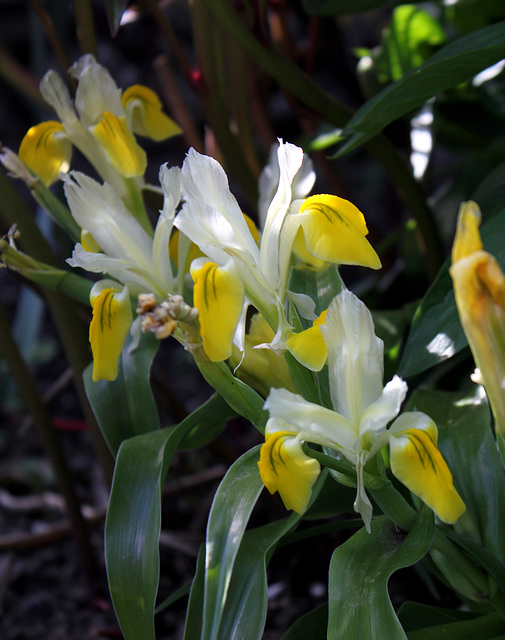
334	230
285	468
144	110
467	240
219	298
111	322
417	462
46	151
308	346
261	369
120	146
300	251
89	243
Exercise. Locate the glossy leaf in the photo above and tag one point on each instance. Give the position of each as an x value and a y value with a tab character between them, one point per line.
125	407
453	64
488	627
414	615
133	523
246	605
233	504
359	604
436	333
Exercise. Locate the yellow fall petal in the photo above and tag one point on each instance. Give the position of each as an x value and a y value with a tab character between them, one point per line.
120	146
308	346
111	322
334	230
219	299
467	240
46	151
146	116
285	468
419	465
89	243
300	251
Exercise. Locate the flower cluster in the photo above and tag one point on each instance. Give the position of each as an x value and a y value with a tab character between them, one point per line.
235	269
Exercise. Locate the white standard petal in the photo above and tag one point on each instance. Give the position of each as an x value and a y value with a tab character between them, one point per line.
275	253
355	356
170	180
99	209
313	422
55	93
380	413
204	180
96	92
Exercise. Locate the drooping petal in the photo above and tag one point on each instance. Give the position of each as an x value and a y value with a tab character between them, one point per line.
285	468
145	114
119	145
355	356
479	289
111	322
46	150
334	230
219	297
308	346
417	462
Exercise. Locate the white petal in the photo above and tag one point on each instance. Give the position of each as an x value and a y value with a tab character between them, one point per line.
380	413
99	209
55	93
313	422
96	92
355	356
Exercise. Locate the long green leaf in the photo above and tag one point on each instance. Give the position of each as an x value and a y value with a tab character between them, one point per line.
133	522
455	63
125	407
436	333
489	627
233	504
359	604
312	625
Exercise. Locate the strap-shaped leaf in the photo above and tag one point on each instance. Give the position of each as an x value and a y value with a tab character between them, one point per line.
233	503
359	604
488	627
125	407
312	625
436	333
133	521
455	63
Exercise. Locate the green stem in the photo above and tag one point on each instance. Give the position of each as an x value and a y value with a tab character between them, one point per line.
309	93
52	445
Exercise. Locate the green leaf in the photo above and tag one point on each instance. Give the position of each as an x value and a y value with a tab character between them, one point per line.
453	64
211	420
436	333
312	625
341	7
359	604
133	522
115	10
467	442
246	605
125	407
414	615
194	612
233	504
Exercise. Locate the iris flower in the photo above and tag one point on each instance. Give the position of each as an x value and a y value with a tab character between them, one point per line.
236	271
479	288
357	427
101	123
118	246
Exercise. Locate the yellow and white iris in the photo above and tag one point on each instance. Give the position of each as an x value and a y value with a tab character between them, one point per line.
101	123
357	427
236	272
124	251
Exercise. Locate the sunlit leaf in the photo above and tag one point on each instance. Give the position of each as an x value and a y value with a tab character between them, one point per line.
453	64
